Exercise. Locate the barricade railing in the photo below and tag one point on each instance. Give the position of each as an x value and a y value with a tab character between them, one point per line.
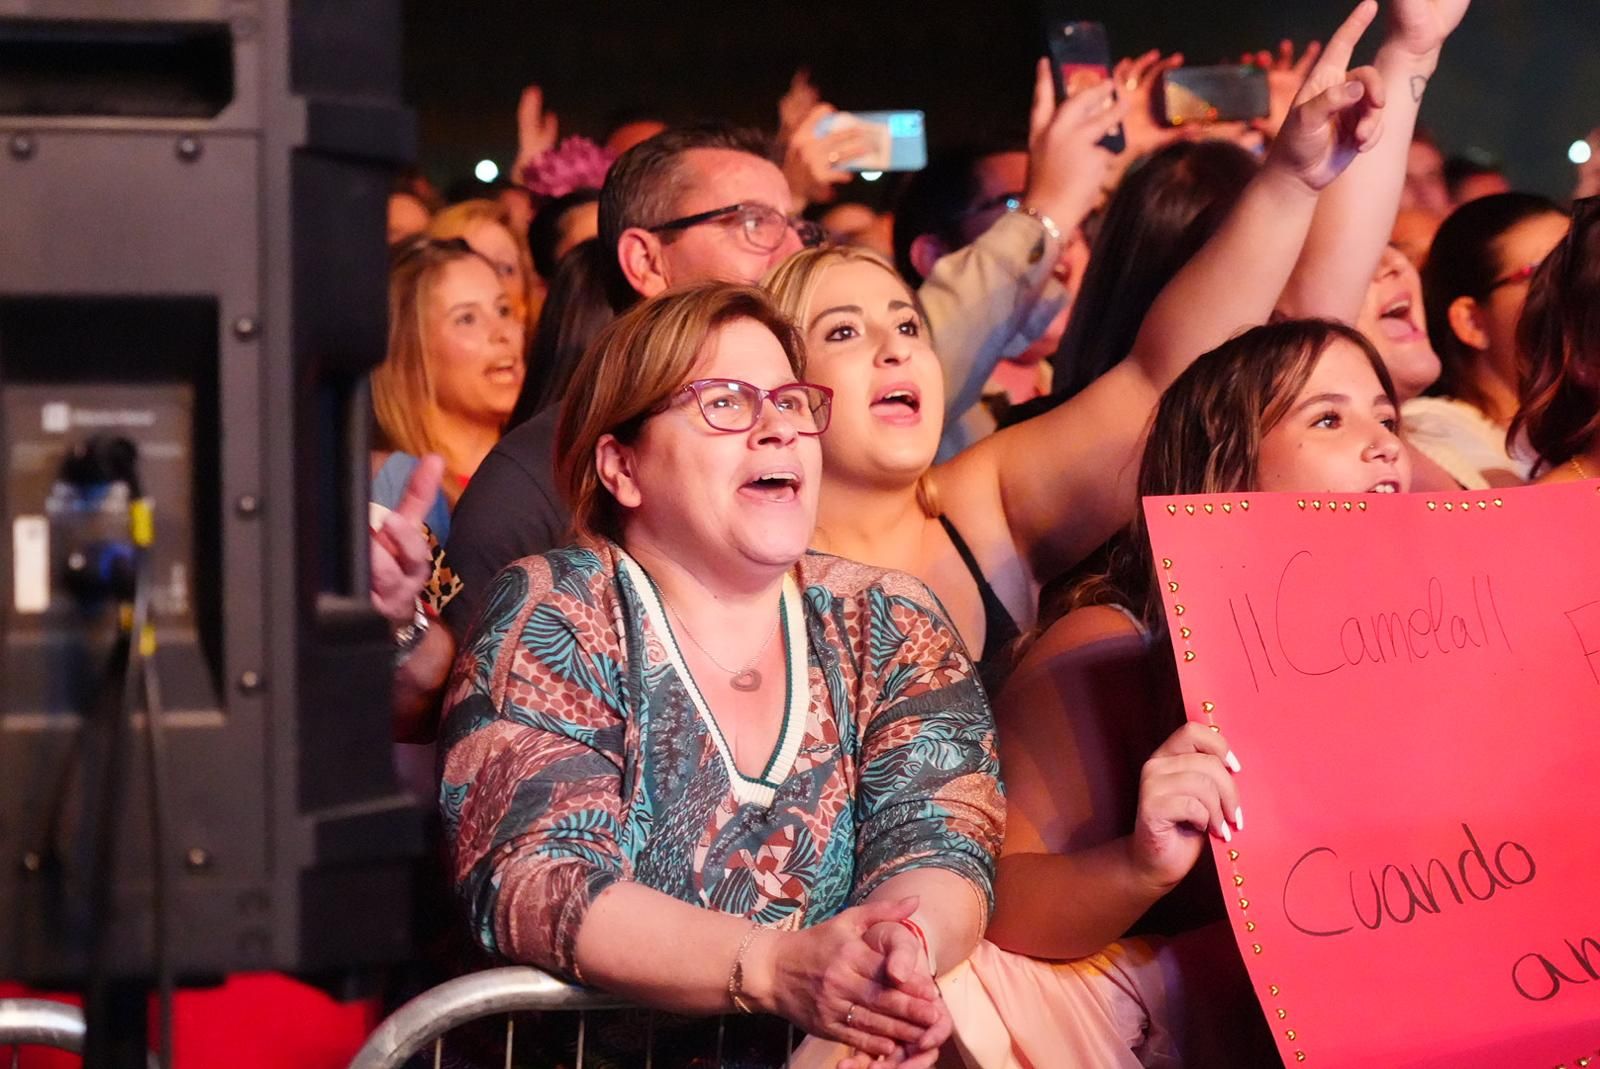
422	1025
37	1022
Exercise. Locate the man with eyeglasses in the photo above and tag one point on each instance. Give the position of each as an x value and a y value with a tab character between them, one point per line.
689	204
695	203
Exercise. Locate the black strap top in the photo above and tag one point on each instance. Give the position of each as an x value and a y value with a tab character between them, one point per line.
999	629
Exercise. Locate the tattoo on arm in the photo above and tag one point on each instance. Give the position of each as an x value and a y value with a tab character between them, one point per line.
1418	84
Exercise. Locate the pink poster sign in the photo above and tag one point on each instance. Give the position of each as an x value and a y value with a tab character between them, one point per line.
1412	685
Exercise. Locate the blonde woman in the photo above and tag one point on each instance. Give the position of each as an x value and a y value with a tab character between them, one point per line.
986	529
486	226
453	371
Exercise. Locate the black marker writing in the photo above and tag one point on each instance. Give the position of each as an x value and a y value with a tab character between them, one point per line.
1444	623
1403	895
1538	979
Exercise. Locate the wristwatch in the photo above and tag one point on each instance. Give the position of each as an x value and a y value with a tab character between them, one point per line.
408	636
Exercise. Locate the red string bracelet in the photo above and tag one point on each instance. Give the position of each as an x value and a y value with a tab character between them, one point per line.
916	930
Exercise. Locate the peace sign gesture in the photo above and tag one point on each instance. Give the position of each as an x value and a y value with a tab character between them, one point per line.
1338	112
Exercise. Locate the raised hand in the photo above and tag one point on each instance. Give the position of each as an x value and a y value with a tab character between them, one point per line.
1337	113
401	560
1186	792
796	103
811	159
1136	81
1285	76
1420	27
1066	165
537	130
834	982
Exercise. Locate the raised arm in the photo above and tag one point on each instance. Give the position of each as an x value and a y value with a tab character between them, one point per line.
1355	216
1235	279
402	568
979	298
1067	480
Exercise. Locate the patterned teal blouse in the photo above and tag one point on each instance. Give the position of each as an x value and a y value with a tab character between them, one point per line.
578	752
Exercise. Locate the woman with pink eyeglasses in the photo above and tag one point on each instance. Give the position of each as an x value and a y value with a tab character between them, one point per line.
1474	285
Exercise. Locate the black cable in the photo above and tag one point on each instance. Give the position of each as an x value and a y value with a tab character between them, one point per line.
142	669
101	872
118	458
156	753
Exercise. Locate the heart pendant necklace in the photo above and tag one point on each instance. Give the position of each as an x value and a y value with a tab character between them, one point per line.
744	679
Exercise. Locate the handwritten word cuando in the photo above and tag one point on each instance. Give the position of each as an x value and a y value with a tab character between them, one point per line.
1403	895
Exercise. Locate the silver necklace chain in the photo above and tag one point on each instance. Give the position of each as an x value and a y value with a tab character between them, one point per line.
735	673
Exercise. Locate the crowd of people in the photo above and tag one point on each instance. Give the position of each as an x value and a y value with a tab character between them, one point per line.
741	543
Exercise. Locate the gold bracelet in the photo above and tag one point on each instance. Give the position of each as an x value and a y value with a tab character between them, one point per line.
736	974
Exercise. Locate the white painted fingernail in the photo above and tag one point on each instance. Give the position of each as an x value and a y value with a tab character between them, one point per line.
1227	836
1231	761
1238	817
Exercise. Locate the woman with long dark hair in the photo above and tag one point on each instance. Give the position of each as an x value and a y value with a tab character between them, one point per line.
1474	285
1558	340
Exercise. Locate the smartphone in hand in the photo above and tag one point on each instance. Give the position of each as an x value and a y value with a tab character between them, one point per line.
1080	58
900	141
1229	93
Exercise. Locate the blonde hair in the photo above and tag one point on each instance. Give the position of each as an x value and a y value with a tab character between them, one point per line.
403	395
456	220
792	285
793	282
634	366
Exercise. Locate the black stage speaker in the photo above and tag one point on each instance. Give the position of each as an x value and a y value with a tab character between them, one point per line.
192	290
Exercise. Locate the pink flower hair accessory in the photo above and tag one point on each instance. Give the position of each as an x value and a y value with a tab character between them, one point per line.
575	163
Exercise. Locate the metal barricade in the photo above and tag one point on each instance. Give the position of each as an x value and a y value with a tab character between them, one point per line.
37	1022
426	1019
32	1022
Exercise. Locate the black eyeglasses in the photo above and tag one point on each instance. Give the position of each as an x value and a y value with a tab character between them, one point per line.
764	227
733	406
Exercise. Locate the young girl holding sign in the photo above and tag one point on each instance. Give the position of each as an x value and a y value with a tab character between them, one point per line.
1300	405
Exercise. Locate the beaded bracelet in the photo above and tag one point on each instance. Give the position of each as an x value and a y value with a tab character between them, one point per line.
1035	214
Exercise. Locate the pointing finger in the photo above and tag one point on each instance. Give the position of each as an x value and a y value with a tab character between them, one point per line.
1342	45
1044	100
422	489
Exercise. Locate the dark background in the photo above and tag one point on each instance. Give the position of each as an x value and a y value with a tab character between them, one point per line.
1520	80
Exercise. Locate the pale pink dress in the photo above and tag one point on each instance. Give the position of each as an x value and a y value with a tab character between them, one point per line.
1016	1012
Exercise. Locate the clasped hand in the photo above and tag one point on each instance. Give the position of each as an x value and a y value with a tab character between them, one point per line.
862	979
